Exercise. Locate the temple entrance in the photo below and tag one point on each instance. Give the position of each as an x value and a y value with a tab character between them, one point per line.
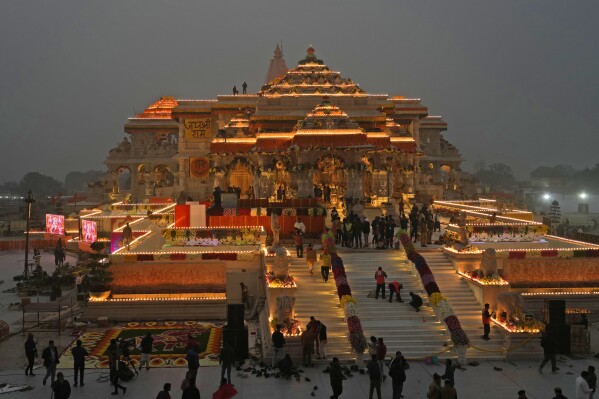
241	177
121	180
330	180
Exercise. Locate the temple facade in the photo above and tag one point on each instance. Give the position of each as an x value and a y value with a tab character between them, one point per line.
309	132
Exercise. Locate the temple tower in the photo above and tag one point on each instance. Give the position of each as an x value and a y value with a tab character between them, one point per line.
277	66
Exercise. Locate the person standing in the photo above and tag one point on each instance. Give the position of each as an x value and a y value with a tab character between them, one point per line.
227	357
278	341
299	225
486	322
449	372
113	364
592	379
307	339
127	236
79	353
381	353
191	392
522	394
398	374
164	394
193	362
434	389
423	233
448	391
379	276
244	88
375	230
581	387
549	350
374	372
31	353
325	265
50	357
310	258
61	387
416	301
356	228
394	288
366	230
336	376
235	91
79	283
298	238
322	340
146	350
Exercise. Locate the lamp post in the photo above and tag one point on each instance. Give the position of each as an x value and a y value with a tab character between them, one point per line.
29	200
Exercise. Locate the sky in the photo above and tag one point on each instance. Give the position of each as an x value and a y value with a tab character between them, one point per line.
516	81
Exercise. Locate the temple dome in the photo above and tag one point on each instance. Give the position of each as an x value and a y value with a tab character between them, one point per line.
311	77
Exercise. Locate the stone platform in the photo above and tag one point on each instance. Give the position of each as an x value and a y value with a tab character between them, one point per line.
156	309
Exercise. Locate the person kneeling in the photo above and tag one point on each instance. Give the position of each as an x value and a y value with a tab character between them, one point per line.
416	301
286	366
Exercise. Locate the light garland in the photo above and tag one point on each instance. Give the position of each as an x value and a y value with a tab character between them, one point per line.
519	329
483	282
560	293
207	297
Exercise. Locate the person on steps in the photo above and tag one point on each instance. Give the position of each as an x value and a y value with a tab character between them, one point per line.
416	301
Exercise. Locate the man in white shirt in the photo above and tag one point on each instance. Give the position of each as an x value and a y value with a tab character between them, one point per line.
582	387
300	225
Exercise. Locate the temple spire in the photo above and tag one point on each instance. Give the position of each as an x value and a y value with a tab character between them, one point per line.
277	66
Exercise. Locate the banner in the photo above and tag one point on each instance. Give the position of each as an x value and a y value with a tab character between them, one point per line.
197	129
55	224
199	167
90	231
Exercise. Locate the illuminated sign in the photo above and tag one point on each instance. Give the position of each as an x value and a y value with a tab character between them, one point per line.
55	224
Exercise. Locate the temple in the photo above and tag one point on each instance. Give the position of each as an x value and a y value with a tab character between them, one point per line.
308	132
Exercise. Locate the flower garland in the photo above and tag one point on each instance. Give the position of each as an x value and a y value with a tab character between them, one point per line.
439	303
274	282
357	339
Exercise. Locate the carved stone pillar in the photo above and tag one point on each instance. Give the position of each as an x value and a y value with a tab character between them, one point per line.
304	185
181	174
115	183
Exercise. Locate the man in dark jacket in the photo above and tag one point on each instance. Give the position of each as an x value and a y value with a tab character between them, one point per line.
366	231
337	378
285	366
374	372
193	361
278	341
79	353
146	350
397	374
549	348
227	357
61	388
31	353
50	356
356	228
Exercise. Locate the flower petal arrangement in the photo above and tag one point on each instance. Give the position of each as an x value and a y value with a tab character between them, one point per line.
441	306
357	339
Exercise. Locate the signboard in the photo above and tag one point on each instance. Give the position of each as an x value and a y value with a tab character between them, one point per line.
55	224
199	167
197	129
90	231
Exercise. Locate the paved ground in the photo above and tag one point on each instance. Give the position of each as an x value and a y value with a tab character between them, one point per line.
470	383
475	382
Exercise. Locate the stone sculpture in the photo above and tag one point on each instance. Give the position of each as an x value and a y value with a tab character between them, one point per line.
285	307
280	265
488	263
511	303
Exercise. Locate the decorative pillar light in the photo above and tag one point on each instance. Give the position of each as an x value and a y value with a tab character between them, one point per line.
28	200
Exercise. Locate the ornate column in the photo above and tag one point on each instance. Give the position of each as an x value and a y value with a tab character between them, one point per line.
181	174
304	184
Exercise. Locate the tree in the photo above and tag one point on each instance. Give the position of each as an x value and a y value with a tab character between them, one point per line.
497	174
39	184
75	181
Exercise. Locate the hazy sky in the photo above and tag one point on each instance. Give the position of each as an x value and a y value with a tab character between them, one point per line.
517	81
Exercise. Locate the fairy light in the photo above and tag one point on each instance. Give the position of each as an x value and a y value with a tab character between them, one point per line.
499	282
515	329
560	293
202	297
185	252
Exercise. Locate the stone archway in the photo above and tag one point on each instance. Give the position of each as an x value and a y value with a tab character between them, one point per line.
121	179
241	176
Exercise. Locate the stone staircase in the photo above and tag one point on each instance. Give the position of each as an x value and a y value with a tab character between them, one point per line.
316	298
465	305
416	335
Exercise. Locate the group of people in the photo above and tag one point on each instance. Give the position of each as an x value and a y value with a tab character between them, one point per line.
423	223
244	87
395	287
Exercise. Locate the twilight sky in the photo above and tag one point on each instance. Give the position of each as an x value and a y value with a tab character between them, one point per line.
517	81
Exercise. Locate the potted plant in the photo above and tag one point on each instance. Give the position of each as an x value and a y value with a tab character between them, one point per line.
99	279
